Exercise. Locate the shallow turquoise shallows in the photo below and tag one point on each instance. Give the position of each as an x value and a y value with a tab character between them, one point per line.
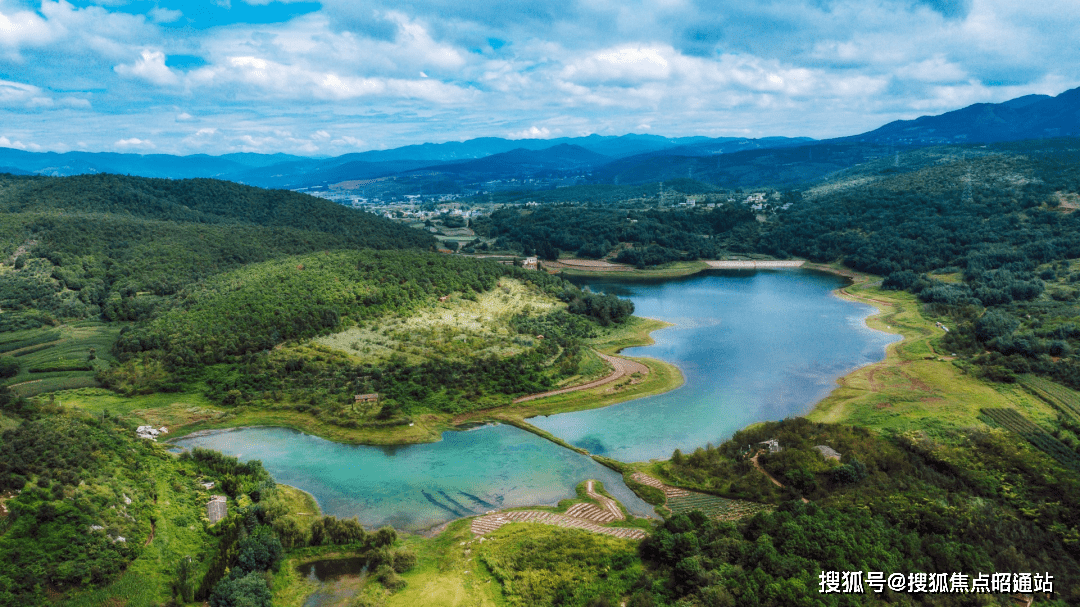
415	487
753	346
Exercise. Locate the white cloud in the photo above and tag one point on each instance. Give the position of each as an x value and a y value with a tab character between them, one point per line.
164	15
19	145
935	69
347	141
24	28
134	143
531	133
432	70
150	67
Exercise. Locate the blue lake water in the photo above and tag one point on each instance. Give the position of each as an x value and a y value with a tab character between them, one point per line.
753	346
414	487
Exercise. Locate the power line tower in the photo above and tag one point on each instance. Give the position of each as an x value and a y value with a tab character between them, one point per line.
966	196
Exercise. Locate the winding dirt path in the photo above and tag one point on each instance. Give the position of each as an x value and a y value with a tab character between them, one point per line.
623	367
771	477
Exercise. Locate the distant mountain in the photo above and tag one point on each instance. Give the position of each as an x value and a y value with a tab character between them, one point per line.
291	172
459	166
523	162
1028	117
53	164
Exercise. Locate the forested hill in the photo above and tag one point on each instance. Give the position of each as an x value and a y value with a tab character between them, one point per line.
202	201
111	245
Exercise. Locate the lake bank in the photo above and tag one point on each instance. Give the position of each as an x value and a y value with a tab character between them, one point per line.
917	386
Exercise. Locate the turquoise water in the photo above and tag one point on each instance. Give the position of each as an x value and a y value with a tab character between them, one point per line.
753	346
414	487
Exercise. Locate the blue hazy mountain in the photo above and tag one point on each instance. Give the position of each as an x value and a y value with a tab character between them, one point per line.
1027	117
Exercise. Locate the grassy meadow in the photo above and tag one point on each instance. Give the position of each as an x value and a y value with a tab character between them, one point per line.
919	386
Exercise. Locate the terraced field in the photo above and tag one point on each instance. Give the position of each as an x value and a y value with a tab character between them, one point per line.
60	358
714	507
1013	421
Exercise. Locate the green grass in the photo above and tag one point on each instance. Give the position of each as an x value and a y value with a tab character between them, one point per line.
448	573
178	532
130	590
300	505
636	331
918	387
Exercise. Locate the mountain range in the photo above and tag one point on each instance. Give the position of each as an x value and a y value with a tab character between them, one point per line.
434	168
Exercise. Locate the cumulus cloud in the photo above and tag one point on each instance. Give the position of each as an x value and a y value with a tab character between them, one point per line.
150	67
19	145
531	133
134	143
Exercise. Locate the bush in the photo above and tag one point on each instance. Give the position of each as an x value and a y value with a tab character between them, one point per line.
995	324
9	367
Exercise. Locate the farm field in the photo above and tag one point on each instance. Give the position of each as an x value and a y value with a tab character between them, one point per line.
714	506
1014	422
1065	399
59	358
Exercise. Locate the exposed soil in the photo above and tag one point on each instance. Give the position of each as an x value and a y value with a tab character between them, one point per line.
623	367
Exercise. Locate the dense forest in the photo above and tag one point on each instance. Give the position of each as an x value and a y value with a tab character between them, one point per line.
110	246
638	237
981	502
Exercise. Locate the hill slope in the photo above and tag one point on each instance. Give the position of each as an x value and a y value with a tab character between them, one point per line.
1028	117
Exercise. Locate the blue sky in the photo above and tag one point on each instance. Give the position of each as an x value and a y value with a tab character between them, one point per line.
327	78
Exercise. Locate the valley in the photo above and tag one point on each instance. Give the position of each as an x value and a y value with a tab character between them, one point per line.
658	390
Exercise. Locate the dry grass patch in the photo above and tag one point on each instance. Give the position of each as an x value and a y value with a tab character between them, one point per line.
458	327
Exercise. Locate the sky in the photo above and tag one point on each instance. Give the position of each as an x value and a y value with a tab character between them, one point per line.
338	76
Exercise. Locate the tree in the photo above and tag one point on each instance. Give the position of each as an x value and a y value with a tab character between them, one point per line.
248	591
184	585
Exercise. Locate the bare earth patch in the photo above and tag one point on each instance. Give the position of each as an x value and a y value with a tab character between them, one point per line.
622	366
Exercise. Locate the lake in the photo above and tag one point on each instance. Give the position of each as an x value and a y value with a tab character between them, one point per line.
753	346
